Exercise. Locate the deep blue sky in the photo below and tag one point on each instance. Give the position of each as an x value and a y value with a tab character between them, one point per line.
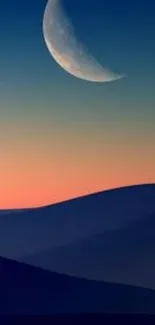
38	97
120	34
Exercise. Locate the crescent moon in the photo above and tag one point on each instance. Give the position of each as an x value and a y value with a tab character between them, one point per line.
67	51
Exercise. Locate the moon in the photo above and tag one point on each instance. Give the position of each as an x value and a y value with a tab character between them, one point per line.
67	50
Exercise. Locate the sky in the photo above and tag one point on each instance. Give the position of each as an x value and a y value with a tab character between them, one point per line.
61	137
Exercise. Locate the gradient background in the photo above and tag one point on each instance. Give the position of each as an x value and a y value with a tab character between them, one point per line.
61	137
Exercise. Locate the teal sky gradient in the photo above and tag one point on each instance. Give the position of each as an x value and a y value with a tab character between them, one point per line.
37	96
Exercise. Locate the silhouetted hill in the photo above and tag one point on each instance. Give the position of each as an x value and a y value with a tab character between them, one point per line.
29	290
27	232
125	256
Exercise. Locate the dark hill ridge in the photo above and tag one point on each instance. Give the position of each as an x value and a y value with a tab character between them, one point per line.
126	255
29	290
29	231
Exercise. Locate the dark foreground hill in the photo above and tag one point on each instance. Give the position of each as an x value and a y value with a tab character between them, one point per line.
29	290
26	232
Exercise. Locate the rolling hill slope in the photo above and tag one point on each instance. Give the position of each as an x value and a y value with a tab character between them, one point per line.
126	255
29	290
26	232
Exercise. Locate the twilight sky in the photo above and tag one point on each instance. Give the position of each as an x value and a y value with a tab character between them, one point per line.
61	137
